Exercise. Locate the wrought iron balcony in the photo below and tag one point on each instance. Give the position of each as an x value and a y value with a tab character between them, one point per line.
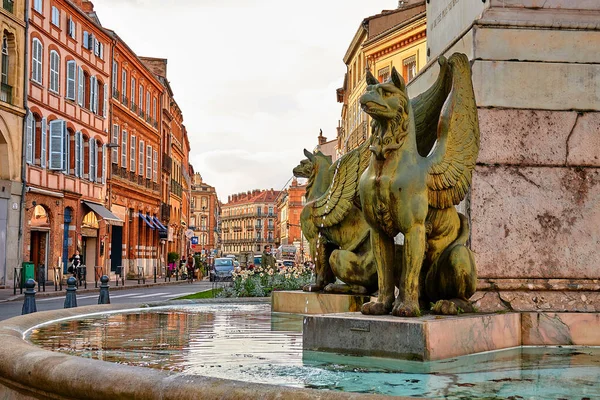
116	93
125	100
133	107
167	163
6	93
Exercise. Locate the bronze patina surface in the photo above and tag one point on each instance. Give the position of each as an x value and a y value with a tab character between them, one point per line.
409	187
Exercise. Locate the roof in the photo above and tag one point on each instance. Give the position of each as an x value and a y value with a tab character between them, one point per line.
252	197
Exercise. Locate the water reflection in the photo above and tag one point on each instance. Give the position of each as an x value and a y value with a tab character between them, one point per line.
246	342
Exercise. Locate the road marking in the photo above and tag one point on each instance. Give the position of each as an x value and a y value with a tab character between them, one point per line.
178	294
62	298
124	295
150	295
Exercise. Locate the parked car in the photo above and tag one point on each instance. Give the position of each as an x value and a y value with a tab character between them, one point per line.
222	270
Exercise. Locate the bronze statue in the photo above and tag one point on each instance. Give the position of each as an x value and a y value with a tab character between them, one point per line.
334	225
410	188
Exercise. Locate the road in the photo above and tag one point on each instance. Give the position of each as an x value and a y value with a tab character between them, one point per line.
134	295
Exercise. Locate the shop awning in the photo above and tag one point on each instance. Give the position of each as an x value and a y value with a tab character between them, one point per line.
159	224
106	215
146	220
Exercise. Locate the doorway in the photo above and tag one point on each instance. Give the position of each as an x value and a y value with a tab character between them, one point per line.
39	251
89	254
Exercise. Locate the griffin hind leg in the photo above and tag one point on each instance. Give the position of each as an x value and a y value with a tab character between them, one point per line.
383	250
324	274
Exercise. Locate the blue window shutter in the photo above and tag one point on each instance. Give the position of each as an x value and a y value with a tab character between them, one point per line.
77	154
81	87
67	150
124	149
104	158
115	140
29	138
92	152
44	143
57	142
71	72
81	155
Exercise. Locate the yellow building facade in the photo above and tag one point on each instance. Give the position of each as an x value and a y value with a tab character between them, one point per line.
12	112
391	39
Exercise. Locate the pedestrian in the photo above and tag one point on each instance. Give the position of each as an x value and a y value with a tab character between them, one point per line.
190	264
75	262
268	260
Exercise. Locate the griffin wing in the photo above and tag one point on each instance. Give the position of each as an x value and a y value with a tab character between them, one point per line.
452	161
333	206
427	108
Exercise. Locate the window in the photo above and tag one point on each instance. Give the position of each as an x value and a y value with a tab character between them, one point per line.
383	74
54	71
43	143
81	88
36	61
133	93
147	104
270	210
6	92
115	68
38	5
410	68
58	131
29	137
154	109
140	106
124	85
71	28
78	167
155	167
71	71
141	159
132	154
93	94
148	162
115	140
93	149
88	40
56	16
124	149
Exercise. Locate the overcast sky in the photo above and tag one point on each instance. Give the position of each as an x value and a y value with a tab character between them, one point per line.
255	79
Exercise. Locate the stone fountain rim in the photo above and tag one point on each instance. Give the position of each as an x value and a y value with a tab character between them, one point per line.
39	373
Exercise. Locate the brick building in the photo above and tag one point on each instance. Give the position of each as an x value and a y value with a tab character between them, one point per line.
12	113
204	216
66	135
249	221
290	203
135	188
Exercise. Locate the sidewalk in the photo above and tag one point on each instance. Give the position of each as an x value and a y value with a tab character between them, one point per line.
8	294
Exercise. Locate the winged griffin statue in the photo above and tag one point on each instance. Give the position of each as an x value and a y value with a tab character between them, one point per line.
411	187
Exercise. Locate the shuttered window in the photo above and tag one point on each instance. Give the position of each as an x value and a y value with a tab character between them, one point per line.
124	138
141	159
93	94
105	101
155	167
154	109
36	61
104	161
81	159
76	167
86	39
71	71
115	140
148	162
58	131
54	71
132	154
71	28
67	153
132	92
123	84
37	5
81	88
44	143
92	156
147	104
114	76
141	95
30	138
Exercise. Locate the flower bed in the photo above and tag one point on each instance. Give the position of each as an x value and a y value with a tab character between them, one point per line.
260	282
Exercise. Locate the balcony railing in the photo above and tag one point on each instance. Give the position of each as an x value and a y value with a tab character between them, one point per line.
8	5
167	163
133	107
134	178
176	187
358	136
164	212
116	93
125	100
6	93
141	113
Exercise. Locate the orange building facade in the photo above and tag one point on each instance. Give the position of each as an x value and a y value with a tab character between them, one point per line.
290	203
204	215
66	136
135	184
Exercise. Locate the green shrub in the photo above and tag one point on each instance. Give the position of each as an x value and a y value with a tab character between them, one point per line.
173	256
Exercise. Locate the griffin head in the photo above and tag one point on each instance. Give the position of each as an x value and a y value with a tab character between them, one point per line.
384	101
305	168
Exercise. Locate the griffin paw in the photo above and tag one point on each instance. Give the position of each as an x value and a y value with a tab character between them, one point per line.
451	307
406	309
375	308
312	288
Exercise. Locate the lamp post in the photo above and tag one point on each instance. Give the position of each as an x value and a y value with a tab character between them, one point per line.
109	147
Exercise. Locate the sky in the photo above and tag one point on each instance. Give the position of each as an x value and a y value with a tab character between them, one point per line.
255	79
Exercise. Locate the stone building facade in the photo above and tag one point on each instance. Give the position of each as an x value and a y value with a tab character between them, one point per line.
204	217
12	113
393	38
66	136
290	203
249	222
135	186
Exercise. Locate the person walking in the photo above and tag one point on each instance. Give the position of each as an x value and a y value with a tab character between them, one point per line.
268	260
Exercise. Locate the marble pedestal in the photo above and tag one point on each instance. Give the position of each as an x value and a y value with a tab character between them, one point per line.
299	302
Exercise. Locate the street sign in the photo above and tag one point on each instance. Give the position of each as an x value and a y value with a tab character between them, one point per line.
194	239
189	233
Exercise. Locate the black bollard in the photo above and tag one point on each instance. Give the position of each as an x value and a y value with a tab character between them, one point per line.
104	297
29	303
71	299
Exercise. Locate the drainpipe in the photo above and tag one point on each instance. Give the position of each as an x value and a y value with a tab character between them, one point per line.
24	144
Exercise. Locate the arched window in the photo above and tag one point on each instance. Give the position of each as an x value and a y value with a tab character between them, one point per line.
5	62
36	61
71	72
54	71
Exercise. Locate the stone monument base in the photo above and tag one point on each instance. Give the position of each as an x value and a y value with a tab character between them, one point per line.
430	337
299	302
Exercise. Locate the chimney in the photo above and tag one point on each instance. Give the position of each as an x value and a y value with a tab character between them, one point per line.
87	6
322	139
229	199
